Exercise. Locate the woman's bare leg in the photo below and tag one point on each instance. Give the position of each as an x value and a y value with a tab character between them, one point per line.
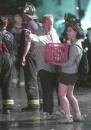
73	100
62	91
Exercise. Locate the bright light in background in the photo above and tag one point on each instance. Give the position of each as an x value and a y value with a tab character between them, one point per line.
86	21
59	22
59	25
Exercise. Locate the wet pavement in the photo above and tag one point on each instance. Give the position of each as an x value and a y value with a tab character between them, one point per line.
18	120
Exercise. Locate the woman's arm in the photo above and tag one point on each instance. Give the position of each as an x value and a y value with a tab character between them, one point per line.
71	58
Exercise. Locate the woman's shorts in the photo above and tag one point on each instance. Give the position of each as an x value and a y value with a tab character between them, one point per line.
67	79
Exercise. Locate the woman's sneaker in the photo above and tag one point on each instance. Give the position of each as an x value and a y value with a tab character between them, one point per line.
79	118
66	120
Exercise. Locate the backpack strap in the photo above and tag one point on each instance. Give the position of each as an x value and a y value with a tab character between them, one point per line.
81	50
79	47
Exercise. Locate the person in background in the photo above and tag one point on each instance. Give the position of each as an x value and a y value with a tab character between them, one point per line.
68	74
46	72
6	44
87	45
17	31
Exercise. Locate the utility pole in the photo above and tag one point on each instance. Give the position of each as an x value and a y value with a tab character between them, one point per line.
80	12
78	9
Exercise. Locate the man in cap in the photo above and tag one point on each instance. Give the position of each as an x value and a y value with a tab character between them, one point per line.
30	68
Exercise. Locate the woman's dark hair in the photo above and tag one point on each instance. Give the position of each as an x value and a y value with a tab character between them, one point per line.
72	21
78	29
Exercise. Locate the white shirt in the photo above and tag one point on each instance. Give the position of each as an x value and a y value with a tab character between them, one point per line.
40	40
